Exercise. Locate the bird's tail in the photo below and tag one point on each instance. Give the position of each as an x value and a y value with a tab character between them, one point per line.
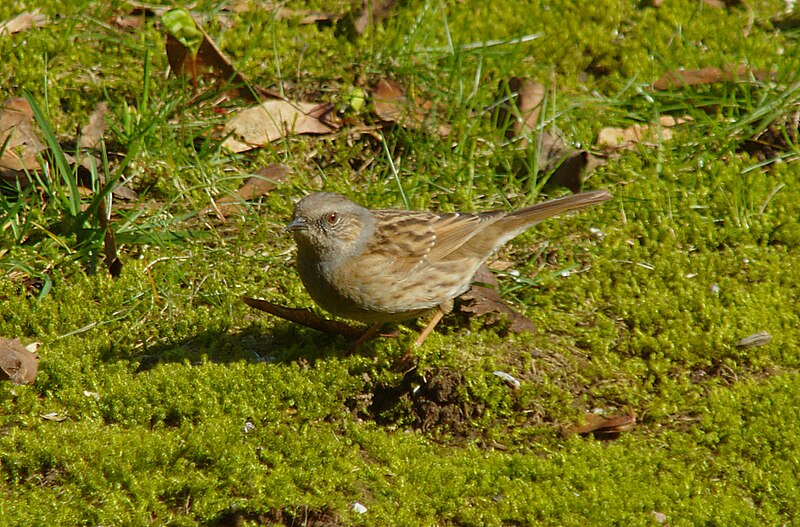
541	211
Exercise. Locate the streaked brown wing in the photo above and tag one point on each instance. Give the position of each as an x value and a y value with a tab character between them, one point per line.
454	231
405	237
415	239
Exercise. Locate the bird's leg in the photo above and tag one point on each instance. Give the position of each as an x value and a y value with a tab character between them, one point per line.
368	335
437	316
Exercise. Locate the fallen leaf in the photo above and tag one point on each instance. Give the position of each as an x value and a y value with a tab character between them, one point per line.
54	416
192	53
17	363
23	22
113	263
482	299
779	137
305	317
259	125
759	339
519	116
393	106
267	179
508	379
92	133
626	138
372	12
728	73
602	427
19	146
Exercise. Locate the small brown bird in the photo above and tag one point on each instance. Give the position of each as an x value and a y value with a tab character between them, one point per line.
379	266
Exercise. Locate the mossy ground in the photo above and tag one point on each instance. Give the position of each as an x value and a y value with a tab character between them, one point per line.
183	406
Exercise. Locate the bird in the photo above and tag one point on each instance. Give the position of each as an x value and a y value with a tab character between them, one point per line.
390	265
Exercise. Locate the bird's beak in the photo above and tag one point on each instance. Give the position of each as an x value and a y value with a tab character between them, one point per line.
297	224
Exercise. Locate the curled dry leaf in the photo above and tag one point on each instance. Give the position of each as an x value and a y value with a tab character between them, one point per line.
602	427
199	56
298	16
17	363
759	339
393	106
93	132
775	140
260	125
267	179
626	138
483	299
305	317
372	12
22	147
23	22
728	73
520	116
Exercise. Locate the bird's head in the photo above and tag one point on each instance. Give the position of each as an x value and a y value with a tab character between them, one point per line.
330	224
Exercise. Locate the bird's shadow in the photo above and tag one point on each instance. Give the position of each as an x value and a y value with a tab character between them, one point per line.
283	343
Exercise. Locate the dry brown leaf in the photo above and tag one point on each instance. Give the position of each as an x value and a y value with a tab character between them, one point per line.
521	114
393	106
775	140
602	427
23	22
483	299
305	317
372	12
728	73
626	138
22	147
210	61
54	416
266	180
17	363
259	125
16	132
521	117
92	133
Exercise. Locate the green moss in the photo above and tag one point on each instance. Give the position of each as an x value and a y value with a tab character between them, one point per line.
184	406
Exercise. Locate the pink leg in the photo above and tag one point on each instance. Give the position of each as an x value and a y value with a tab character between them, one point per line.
368	335
437	316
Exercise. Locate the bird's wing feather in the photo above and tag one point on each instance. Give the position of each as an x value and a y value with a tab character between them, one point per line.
421	238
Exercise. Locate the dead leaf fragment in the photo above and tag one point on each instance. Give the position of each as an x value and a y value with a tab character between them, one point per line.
759	339
54	416
520	115
393	106
23	22
626	138
602	427
260	125
372	12
482	299
266	180
92	133
728	73
17	364
22	147
210	61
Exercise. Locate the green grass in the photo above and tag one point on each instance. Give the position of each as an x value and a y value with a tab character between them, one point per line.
182	406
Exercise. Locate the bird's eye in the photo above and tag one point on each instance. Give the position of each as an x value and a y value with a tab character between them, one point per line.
331	217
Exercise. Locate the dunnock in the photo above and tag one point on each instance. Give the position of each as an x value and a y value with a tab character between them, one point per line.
379	266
